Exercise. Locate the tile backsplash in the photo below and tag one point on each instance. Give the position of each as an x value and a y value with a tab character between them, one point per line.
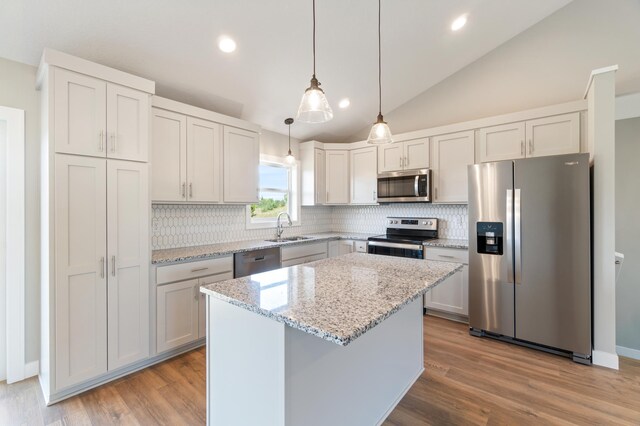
371	219
191	225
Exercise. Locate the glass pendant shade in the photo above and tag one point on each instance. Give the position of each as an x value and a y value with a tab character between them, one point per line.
290	159
314	107
380	133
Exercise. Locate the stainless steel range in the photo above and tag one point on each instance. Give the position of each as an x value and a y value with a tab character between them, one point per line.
405	237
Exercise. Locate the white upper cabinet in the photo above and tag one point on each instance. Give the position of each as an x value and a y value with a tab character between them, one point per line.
452	154
364	175
241	161
505	142
127	123
204	149
80	290
168	156
405	155
337	176
312	165
555	135
96	118
558	134
128	262
80	116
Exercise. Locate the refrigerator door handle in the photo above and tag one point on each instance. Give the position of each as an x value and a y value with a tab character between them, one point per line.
517	205
509	237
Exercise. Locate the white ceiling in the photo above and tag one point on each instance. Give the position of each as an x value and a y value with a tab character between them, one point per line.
174	43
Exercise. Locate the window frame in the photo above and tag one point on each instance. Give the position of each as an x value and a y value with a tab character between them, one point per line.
294	194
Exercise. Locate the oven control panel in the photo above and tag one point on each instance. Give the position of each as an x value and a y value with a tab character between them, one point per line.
424	223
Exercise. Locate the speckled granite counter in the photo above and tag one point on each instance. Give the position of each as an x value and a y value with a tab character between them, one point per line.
199	252
337	299
448	243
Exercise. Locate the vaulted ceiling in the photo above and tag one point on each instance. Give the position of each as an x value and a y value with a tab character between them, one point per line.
175	43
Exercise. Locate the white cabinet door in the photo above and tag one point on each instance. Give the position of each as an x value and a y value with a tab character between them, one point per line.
127	123
452	154
555	135
345	247
202	300
168	156
241	161
128	261
177	314
505	142
79	114
390	157
364	175
416	154
80	262
451	295
320	177
337	177
204	151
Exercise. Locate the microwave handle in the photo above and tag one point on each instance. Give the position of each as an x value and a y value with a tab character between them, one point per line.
415	186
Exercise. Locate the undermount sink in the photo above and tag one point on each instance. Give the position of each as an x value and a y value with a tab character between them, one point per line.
288	239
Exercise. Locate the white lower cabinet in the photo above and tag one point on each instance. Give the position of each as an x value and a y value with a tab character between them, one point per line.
303	253
451	295
340	247
101	311
180	306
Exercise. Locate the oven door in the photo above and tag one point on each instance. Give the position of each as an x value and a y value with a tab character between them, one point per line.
396	249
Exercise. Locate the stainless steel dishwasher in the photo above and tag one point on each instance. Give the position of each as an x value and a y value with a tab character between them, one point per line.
256	261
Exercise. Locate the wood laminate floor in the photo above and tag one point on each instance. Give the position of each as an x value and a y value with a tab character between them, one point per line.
467	381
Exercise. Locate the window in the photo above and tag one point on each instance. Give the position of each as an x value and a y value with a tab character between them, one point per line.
278	193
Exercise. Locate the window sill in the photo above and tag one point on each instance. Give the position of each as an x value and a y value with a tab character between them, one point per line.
271	225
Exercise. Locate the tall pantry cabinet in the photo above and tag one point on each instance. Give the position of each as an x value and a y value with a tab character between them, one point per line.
95	210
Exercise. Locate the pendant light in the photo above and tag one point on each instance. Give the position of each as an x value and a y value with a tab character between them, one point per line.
314	107
290	158
380	133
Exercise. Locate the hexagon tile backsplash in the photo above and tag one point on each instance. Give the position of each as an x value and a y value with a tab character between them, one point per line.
192	225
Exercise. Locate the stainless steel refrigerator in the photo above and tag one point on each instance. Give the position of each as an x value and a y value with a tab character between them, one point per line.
529	253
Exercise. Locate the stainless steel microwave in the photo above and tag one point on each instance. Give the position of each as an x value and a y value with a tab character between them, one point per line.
408	186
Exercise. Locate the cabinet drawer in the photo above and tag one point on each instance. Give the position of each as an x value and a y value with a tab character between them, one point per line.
361	246
303	250
301	260
189	270
447	254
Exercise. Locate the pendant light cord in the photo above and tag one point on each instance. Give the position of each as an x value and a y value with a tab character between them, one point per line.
289	139
314	38
379	62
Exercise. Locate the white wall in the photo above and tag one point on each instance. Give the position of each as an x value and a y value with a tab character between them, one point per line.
3	218
277	145
547	64
628	233
17	90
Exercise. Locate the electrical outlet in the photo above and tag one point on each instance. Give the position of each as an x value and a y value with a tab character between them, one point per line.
155	223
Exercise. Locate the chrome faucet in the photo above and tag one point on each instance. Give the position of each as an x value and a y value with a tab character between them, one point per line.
279	229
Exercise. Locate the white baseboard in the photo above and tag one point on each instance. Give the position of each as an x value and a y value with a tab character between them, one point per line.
605	359
31	369
628	352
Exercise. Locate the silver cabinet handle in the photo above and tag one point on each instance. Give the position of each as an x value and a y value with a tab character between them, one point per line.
102	267
522	148
195	293
435	190
113	266
446	256
184	189
101	141
199	269
530	146
190	189
113	142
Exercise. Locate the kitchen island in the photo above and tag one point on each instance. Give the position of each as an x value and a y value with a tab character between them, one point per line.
337	341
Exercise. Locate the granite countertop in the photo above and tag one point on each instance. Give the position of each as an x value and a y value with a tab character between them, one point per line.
337	299
200	252
448	243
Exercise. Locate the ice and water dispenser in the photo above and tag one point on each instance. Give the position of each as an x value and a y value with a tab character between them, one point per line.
490	237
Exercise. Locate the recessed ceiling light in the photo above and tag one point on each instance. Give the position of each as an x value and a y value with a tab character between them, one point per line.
226	44
459	22
344	103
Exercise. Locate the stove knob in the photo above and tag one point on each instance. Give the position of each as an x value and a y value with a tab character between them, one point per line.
430	223
424	222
